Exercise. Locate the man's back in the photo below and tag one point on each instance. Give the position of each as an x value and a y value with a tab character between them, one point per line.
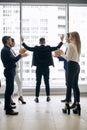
42	56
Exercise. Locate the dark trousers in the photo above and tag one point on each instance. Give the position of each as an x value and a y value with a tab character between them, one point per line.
66	77
42	71
72	81
9	75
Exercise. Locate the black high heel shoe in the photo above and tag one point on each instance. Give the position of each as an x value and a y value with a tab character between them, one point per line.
66	109
12	102
21	100
77	109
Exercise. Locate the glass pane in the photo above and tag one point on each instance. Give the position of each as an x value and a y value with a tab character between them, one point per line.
9	25
78	22
48	22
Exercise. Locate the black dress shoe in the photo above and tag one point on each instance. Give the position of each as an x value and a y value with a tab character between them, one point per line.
11	112
36	100
63	100
11	107
13	103
48	99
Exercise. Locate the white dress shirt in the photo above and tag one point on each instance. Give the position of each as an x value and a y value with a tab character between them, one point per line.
72	53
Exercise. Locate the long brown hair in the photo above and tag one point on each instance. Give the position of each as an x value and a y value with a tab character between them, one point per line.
77	41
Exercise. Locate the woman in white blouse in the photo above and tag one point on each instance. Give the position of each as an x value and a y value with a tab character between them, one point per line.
17	79
72	56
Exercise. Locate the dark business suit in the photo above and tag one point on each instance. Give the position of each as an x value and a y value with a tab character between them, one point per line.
42	59
9	60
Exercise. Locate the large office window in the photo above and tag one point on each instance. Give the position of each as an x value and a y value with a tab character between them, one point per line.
35	21
9	25
78	22
48	22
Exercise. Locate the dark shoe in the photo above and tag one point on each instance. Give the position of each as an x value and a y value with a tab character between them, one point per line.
11	107
36	100
73	105
63	100
66	109
11	112
77	109
12	102
21	100
48	99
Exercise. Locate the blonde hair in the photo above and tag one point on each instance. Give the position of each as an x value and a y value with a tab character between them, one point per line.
77	41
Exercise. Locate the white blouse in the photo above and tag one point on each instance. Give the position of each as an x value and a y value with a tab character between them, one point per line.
72	53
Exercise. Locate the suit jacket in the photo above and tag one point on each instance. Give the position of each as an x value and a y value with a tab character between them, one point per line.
42	55
8	59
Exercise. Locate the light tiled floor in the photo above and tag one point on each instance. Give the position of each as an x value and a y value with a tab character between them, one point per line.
43	115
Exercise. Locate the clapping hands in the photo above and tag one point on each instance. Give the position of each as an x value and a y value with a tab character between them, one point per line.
22	52
58	53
